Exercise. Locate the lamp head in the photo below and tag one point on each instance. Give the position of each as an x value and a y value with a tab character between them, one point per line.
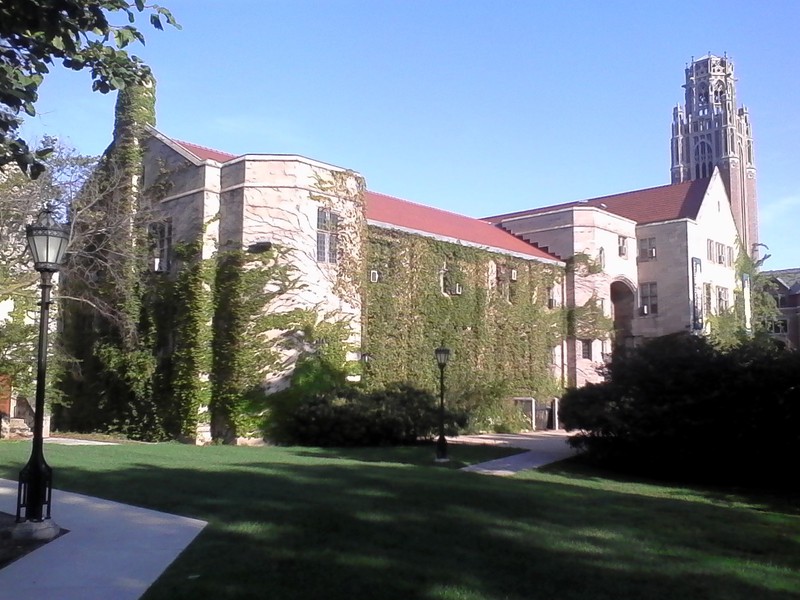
47	241
442	355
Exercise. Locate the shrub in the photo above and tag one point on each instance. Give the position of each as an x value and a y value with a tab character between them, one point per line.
485	406
403	413
677	406
398	414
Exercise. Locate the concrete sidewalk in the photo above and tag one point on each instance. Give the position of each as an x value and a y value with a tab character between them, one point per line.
543	448
112	551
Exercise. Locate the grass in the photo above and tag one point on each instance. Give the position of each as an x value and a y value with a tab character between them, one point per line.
387	523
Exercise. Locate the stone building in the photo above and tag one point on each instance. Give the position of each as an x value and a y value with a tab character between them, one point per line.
650	262
664	258
786	290
710	130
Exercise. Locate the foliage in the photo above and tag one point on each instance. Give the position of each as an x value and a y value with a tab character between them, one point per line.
678	405
498	327
110	329
398	414
485	406
247	338
729	329
34	34
189	391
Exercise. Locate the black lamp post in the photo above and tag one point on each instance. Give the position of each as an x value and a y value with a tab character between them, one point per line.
47	240
442	355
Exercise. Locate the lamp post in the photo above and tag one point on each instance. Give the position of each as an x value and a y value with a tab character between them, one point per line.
442	355
47	241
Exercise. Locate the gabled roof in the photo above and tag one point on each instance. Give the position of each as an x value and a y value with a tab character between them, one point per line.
204	153
789	278
392	212
652	205
386	211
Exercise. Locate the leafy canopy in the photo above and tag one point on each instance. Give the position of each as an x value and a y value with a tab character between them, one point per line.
35	34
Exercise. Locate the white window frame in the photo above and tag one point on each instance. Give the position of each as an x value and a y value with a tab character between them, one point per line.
648	298
327	236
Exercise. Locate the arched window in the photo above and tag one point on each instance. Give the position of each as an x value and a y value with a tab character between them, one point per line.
703	160
719	92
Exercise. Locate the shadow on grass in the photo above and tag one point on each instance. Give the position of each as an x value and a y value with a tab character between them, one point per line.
421	454
283	525
784	499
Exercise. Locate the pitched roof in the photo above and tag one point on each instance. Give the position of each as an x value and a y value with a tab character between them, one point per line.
652	205
788	277
204	153
393	212
386	210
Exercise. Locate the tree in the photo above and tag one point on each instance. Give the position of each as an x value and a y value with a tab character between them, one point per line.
34	34
20	199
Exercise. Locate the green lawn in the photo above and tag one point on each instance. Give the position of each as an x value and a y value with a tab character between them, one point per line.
389	524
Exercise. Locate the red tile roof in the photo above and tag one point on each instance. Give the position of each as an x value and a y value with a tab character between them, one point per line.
204	153
652	205
419	218
428	220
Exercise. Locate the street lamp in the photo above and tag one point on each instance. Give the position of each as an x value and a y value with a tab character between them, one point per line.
47	240
442	355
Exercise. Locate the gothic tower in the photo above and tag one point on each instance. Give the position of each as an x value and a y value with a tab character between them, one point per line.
710	130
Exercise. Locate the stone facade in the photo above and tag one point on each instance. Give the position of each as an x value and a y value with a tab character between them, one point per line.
709	130
250	200
651	262
651	275
785	288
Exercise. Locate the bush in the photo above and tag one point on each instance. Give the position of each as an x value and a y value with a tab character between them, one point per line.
399	414
485	406
403	413
677	406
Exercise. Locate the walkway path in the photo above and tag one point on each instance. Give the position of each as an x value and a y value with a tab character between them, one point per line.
543	447
117	551
112	551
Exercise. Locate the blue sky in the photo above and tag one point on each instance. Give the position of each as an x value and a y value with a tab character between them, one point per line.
475	107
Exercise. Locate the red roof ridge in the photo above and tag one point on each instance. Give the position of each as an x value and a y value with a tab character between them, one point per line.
189	145
687	183
426	206
428	220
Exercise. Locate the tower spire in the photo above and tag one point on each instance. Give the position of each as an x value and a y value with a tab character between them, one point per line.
710	131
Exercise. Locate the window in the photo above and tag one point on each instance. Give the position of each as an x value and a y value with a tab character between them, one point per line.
551	298
601	258
648	298
778	326
327	235
729	256
161	244
586	349
622	242
707	298
722	300
647	249
782	300
720	254
710	253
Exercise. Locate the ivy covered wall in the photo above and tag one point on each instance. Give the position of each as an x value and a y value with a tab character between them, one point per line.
490	309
